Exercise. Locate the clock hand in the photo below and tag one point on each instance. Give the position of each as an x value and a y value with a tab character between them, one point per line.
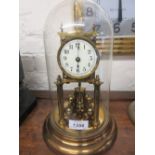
120	11
78	59
78	48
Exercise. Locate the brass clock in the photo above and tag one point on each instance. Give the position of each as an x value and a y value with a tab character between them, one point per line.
79	78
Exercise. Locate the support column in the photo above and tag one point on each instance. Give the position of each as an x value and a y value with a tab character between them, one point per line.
59	84
97	84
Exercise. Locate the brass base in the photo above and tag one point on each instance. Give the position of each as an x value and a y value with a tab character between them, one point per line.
70	142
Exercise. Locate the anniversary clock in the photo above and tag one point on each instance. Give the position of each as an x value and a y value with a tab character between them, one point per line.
79	77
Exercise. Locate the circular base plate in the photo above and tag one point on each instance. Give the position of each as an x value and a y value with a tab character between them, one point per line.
69	142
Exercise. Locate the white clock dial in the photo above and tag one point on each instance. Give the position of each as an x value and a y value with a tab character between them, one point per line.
78	58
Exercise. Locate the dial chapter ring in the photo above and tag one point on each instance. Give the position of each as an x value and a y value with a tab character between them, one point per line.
69	74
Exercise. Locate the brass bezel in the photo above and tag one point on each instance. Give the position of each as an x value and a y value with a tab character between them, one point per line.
80	38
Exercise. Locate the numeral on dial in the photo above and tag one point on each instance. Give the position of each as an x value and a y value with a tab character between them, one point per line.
66	64
91	57
64	57
116	27
66	51
89	51
77	70
71	68
70	46
84	46
84	69
89	12
77	45
133	27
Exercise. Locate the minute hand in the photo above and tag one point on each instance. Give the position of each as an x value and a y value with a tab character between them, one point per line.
120	11
77	59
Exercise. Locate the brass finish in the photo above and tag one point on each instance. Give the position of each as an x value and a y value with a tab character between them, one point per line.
70	142
65	36
79	105
122	45
59	84
96	99
90	37
78	14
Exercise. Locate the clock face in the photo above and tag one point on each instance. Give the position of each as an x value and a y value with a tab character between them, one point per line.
78	58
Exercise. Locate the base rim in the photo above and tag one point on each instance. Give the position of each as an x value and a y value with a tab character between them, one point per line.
58	143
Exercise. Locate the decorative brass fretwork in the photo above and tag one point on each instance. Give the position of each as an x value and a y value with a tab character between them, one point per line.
79	105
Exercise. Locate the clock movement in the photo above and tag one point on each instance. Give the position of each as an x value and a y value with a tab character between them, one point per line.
79	77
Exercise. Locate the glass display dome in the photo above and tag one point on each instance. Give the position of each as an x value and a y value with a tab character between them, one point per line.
78	40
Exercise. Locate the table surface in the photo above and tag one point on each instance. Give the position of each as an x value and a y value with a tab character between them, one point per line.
32	143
